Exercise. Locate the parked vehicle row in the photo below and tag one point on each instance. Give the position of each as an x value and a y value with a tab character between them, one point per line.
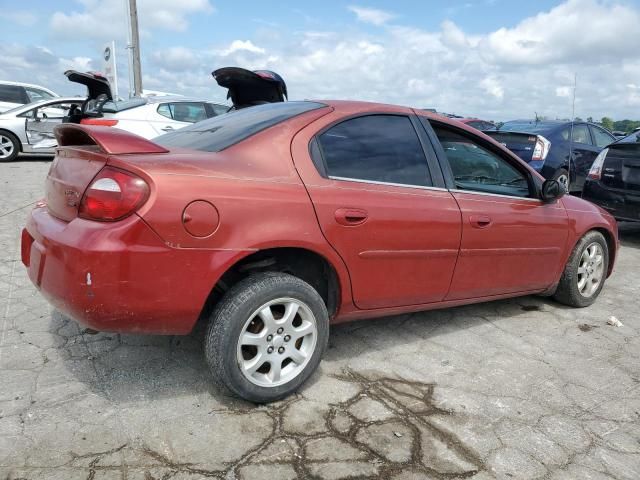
273	222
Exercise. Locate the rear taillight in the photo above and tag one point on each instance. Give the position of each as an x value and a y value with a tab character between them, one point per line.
541	150
113	195
595	173
105	122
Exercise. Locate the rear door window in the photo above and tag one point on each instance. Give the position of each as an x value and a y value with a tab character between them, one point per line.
580	134
217	133
378	148
601	138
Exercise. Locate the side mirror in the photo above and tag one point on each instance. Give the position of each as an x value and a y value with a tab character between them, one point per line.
551	191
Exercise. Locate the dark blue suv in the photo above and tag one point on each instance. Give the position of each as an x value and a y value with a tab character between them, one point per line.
547	146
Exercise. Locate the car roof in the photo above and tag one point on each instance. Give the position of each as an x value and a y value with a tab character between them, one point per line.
31	85
29	106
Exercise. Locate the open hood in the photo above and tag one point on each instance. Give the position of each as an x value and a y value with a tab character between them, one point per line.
96	84
247	88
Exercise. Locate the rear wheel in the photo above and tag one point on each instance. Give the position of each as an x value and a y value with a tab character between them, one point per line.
9	147
585	272
562	177
267	336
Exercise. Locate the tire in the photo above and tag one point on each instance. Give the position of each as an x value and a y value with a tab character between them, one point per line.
570	292
242	312
9	146
562	177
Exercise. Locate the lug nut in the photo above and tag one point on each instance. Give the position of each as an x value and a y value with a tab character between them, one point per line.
287	338
270	350
280	330
269	338
281	350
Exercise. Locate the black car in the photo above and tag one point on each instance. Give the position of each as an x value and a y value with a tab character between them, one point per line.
547	146
614	179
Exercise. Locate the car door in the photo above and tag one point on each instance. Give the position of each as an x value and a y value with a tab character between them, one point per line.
175	115
511	241
584	152
41	121
381	205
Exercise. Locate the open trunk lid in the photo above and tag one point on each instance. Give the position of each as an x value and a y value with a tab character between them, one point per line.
82	153
96	84
247	88
521	143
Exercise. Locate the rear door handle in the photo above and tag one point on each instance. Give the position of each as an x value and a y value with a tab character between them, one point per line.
480	221
351	216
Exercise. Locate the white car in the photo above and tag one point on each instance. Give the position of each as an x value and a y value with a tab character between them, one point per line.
14	94
152	116
148	117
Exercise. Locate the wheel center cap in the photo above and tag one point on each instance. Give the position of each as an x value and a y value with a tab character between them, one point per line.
278	341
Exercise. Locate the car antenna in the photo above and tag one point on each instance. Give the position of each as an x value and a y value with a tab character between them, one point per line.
573	118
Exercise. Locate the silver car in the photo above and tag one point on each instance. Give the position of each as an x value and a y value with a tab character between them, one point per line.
29	128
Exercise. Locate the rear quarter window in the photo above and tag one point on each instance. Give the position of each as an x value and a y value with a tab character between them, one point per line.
220	132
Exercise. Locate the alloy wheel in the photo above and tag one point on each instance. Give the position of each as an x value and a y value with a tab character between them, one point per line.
590	270
277	342
563	180
6	147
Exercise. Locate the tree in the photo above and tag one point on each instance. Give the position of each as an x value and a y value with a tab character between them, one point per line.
590	119
607	123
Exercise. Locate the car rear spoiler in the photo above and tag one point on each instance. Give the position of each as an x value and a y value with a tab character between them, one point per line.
109	140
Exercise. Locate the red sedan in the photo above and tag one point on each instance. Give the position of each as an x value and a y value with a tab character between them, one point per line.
273	222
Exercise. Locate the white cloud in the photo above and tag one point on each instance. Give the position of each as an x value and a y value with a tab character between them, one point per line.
371	15
241	45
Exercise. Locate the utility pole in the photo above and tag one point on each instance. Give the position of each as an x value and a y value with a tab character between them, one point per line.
134	49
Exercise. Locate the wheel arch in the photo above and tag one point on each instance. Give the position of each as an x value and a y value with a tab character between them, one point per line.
302	262
611	246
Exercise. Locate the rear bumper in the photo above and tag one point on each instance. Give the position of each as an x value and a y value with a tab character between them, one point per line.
118	277
624	206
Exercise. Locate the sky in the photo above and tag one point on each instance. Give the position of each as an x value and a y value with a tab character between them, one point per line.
491	59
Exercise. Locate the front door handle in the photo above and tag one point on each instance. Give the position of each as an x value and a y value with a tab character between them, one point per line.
351	216
479	221
168	128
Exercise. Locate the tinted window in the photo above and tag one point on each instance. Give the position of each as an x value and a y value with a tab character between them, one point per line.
37	95
601	138
528	127
13	94
478	169
217	133
382	148
219	109
580	134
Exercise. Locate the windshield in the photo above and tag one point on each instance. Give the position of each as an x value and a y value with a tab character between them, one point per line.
217	133
633	138
526	126
113	107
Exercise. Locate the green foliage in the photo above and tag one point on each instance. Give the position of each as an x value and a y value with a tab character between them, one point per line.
607	123
626	125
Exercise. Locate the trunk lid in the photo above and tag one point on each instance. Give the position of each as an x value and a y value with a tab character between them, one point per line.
621	169
82	153
521	143
96	84
247	88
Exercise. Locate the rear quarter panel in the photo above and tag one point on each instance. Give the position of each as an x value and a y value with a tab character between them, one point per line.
260	199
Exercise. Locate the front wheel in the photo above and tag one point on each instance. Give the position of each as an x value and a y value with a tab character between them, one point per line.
585	272
9	147
267	336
